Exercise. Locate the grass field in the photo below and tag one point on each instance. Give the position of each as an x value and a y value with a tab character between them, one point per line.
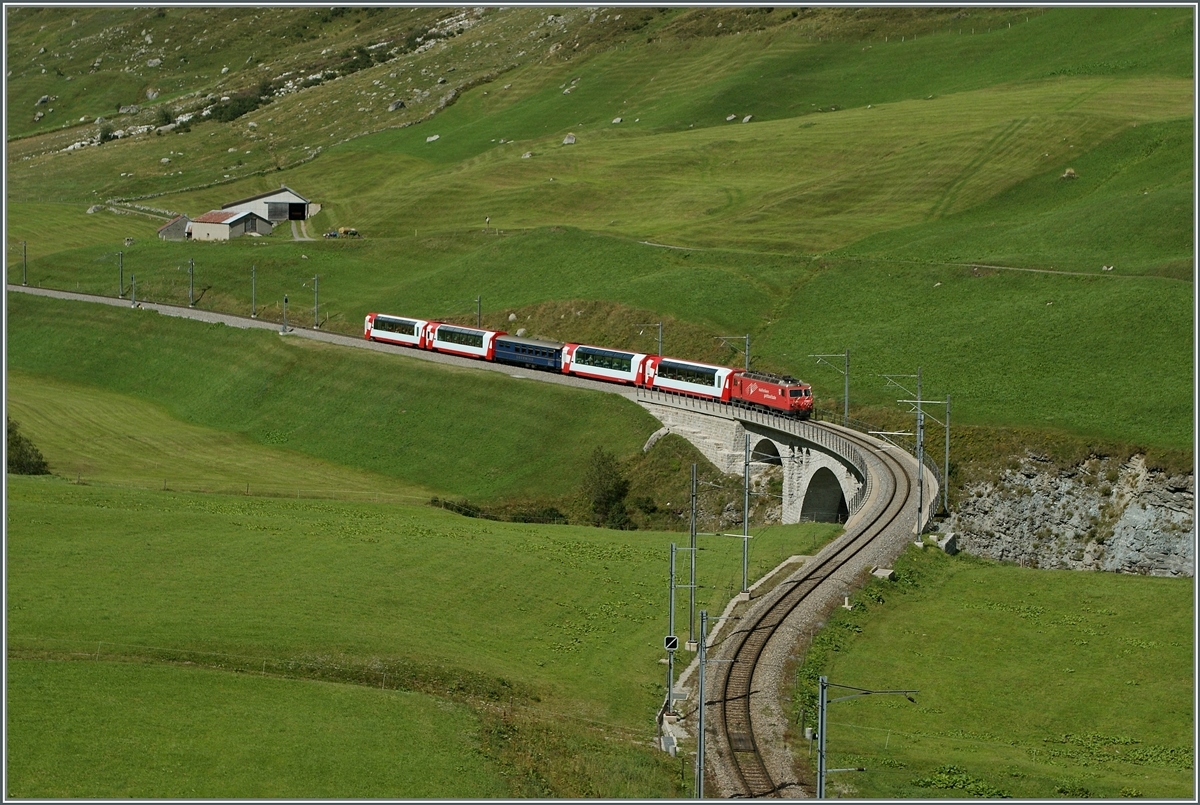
107	438
1033	684
348	591
457	430
898	192
902	162
126	729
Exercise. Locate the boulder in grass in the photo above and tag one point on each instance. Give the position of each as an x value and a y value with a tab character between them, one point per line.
569	139
1069	173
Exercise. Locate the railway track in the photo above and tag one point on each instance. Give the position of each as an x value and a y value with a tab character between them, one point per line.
746	770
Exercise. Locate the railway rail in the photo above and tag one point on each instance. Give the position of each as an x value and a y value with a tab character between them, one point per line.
744	771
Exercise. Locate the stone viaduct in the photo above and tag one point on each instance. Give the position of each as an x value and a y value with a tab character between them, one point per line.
825	477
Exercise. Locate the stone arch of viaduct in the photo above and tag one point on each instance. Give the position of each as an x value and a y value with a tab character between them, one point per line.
825	477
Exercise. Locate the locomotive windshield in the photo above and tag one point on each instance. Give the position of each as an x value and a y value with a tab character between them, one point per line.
453	335
604	359
699	375
795	392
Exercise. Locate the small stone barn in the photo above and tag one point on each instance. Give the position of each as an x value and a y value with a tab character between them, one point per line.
283	204
227	224
175	229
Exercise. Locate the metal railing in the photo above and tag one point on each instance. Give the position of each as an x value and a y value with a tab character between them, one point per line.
807	431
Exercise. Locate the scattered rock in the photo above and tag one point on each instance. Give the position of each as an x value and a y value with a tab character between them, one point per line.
441	80
394	105
38	117
521	333
151	94
1069	173
432	137
616	120
252	125
42	100
512	316
94	208
165	160
132	109
154	62
569	139
224	70
527	155
730	117
1106	268
747	118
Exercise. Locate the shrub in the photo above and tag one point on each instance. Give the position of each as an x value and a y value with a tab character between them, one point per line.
605	488
164	117
23	457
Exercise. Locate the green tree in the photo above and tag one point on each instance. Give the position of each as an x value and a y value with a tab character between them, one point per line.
605	488
23	457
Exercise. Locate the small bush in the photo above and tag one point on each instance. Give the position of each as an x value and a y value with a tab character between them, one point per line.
605	488
164	117
23	457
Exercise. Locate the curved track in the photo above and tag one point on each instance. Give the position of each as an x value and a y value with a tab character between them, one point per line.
744	647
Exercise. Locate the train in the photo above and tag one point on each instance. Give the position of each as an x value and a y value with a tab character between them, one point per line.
779	394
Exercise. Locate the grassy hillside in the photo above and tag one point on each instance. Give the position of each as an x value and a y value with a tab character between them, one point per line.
1033	684
442	428
565	622
119	729
871	168
100	437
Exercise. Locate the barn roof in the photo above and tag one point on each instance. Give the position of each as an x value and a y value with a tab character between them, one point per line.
173	220
282	188
225	216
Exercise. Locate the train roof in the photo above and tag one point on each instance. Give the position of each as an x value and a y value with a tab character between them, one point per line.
771	377
531	342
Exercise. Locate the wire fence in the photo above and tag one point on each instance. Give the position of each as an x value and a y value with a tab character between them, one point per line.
249	489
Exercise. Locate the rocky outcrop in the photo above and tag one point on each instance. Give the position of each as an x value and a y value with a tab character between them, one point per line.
1100	515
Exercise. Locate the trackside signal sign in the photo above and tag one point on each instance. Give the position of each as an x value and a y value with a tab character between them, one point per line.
671	642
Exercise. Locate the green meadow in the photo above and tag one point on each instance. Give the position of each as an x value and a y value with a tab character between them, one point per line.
226	555
1033	684
130	729
420	425
562	623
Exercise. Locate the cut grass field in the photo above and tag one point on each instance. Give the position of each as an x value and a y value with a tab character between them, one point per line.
114	730
1033	684
101	437
566	620
1011	347
902	161
470	433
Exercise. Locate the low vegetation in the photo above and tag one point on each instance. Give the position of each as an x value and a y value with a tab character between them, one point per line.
23	458
316	594
1033	684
